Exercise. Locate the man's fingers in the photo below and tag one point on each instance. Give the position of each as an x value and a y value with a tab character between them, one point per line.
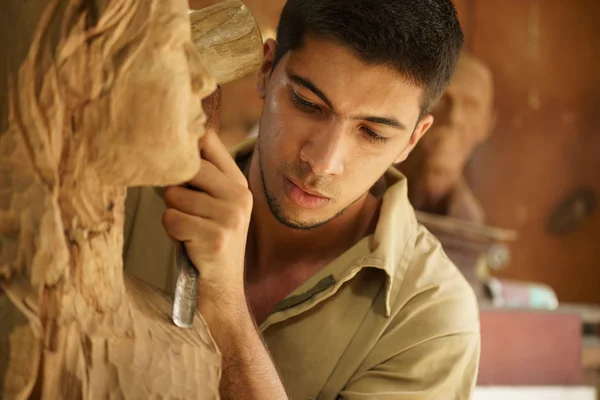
192	202
202	237
215	182
184	227
214	151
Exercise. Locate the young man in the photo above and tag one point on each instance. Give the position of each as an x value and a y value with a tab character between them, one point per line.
310	235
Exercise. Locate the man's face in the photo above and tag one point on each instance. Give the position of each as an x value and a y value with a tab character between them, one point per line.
330	127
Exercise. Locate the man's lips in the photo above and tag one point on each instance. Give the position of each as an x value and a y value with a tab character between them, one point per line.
302	196
307	190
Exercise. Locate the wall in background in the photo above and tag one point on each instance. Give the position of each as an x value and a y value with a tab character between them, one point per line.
545	56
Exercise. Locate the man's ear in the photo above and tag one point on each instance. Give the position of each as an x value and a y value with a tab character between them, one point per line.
422	127
265	69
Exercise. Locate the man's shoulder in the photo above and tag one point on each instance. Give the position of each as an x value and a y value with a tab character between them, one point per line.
433	292
433	327
425	287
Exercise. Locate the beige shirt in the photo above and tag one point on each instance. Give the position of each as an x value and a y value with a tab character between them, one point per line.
391	318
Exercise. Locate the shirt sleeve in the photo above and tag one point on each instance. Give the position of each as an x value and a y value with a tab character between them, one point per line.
440	368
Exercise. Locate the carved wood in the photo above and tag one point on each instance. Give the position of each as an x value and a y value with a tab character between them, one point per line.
101	95
233	49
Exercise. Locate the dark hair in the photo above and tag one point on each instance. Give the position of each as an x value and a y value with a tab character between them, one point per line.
420	38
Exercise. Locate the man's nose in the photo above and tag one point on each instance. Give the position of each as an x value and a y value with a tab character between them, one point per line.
324	152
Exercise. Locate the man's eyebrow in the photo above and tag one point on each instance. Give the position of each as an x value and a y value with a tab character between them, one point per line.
390	121
310	86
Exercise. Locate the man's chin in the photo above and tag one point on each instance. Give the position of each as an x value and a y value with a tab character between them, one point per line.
288	213
303	223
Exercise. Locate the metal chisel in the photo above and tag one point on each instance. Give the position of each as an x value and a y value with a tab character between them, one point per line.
186	289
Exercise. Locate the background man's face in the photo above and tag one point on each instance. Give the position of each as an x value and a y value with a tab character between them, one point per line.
330	127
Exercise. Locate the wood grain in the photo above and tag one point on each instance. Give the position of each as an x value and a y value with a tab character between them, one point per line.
228	39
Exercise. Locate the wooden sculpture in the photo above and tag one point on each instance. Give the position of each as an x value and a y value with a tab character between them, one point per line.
463	119
95	96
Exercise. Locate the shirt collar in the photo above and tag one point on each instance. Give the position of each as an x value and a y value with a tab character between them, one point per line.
394	238
391	245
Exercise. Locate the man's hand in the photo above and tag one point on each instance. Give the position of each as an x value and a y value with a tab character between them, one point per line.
212	221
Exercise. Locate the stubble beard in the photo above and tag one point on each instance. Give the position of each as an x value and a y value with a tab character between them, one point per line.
277	209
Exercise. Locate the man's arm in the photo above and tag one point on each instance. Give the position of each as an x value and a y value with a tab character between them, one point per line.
212	221
248	370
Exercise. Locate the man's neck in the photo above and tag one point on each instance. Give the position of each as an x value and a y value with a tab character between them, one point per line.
273	246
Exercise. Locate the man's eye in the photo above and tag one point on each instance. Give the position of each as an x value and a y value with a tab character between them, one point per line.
304	105
372	136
